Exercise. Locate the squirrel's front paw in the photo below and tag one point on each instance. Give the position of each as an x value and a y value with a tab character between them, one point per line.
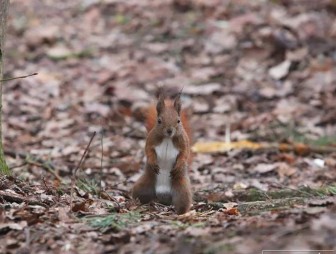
155	168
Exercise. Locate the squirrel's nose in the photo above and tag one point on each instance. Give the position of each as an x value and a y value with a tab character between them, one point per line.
169	131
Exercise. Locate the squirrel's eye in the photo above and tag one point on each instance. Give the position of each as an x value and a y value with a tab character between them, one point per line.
178	121
159	121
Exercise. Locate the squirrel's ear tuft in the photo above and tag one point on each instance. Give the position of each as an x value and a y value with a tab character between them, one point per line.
160	104
178	104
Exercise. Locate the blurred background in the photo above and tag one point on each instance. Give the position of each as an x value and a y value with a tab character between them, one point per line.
264	70
265	67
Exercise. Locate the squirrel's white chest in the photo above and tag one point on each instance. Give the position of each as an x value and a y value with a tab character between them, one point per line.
166	154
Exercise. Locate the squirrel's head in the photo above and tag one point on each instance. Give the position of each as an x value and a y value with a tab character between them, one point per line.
168	116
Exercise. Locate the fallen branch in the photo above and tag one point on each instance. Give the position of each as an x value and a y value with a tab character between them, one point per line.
255	201
19	199
35	161
252	195
26	76
256	207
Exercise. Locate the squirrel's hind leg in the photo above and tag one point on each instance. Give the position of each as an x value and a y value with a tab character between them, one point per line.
144	189
182	195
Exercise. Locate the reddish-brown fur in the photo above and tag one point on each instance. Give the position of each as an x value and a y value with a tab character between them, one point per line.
144	189
151	118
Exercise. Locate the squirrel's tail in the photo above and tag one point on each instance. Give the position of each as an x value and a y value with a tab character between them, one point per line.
151	118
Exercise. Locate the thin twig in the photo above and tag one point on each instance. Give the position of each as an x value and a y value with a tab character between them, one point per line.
101	162
45	184
27	235
228	132
180	92
73	179
18	166
85	153
34	161
26	76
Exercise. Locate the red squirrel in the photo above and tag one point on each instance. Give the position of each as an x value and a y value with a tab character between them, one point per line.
167	150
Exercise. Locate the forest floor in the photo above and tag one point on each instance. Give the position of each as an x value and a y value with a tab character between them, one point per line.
263	71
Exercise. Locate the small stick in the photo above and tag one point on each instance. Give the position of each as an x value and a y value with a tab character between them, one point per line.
45	184
27	234
101	162
84	154
26	76
78	166
228	132
11	197
34	161
180	93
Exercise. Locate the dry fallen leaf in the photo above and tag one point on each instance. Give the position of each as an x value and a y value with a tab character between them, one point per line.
280	71
211	147
230	205
284	170
263	168
82	206
232	211
15	226
202	89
